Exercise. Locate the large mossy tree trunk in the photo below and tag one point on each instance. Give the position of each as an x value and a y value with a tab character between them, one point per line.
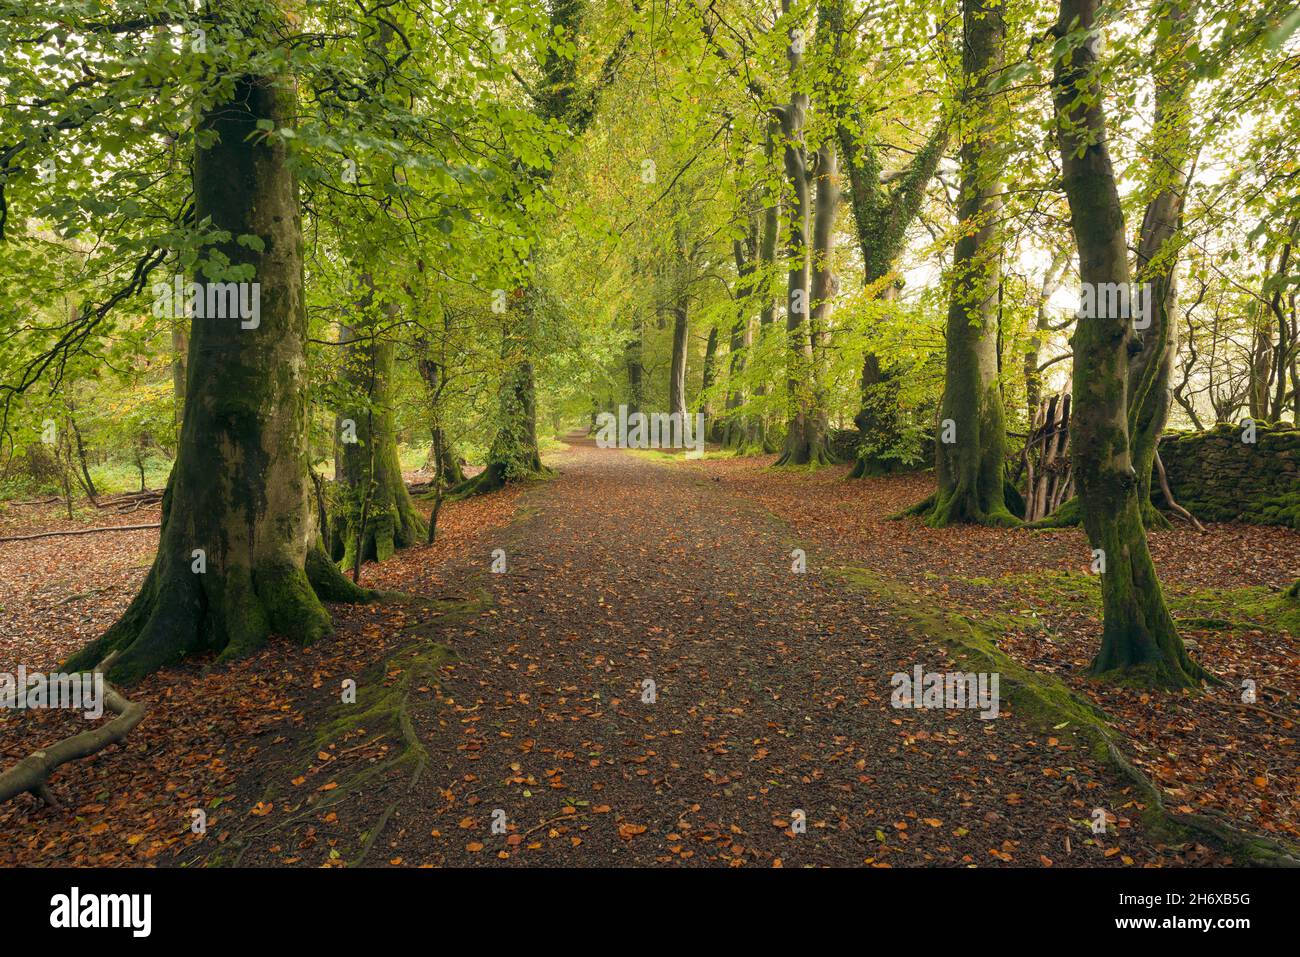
514	454
1139	639
970	451
238	556
1158	243
373	512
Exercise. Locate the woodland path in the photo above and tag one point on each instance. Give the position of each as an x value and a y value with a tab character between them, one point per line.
772	694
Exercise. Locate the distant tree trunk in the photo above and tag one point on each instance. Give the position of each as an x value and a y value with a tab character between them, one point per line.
712	425
805	437
635	353
881	217
238	497
770	236
970	450
1151	371
1052	280
374	514
514	452
744	251
443	450
1261	365
442	456
87	482
1286	350
1138	637
677	371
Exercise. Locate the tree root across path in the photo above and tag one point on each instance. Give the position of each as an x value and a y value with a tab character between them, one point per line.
1046	700
382	711
31	774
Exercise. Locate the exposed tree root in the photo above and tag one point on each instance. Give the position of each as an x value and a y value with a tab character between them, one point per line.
1068	514
31	774
494	478
1169	496
1047	701
81	531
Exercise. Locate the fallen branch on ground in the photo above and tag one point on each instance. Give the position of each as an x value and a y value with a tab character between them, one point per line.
81	531
31	774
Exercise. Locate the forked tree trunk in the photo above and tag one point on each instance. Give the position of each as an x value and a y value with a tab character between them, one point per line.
1139	638
368	471
970	450
239	491
442	449
881	217
805	437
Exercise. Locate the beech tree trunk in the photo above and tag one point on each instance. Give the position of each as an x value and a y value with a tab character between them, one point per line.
514	452
744	252
239	494
373	514
805	437
970	450
634	355
677	370
759	434
1139	638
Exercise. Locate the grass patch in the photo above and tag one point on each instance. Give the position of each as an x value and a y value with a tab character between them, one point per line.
1219	609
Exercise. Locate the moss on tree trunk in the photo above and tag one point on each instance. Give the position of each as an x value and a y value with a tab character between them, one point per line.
1139	640
237	526
970	450
373	514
